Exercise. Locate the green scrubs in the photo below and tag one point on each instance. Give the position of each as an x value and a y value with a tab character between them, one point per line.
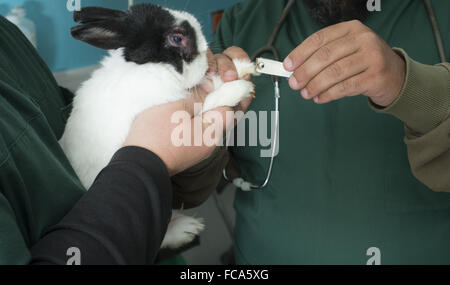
37	184
342	182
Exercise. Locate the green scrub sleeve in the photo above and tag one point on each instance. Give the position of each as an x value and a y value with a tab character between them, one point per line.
424	106
195	185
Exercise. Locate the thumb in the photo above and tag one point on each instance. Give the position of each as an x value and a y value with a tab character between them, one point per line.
215	123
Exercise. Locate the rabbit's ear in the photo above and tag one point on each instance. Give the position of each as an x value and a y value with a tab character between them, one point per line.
93	14
100	27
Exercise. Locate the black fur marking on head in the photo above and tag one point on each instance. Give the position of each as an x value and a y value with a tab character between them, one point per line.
190	51
143	32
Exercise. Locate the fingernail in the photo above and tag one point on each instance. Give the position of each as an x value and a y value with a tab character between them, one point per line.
316	100
305	94
288	63
293	82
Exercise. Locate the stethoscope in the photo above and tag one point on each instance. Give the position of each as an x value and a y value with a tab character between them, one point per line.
270	48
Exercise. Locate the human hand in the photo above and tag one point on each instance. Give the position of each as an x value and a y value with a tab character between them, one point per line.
345	60
155	130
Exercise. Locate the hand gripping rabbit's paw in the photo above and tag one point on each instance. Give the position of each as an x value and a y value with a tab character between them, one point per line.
229	94
182	230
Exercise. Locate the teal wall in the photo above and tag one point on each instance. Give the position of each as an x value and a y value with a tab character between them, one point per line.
53	22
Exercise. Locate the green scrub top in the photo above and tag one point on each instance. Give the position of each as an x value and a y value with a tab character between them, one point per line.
342	182
37	184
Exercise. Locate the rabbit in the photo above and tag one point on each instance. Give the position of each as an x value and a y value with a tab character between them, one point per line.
155	56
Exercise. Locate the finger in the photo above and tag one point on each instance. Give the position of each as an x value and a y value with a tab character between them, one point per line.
309	46
206	131
212	63
335	73
215	123
347	88
226	68
236	52
199	93
196	148
193	103
188	105
243	105
224	116
321	59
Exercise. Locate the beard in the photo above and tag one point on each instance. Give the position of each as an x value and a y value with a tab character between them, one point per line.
330	12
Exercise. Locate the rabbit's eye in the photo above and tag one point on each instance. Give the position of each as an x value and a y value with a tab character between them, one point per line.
176	40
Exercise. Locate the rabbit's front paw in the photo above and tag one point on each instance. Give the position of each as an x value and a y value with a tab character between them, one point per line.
181	231
229	94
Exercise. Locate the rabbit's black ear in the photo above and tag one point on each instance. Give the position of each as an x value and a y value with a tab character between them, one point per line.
100	27
93	14
98	35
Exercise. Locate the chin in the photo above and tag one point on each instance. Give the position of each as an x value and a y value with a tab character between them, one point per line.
195	71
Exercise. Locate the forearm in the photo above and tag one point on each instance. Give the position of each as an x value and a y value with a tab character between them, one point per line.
424	106
122	219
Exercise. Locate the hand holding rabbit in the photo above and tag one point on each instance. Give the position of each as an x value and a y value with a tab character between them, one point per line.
154	128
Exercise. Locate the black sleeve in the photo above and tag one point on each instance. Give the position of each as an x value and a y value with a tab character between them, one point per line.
122	219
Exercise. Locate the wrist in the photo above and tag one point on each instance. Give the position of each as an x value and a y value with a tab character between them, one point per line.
141	156
398	79
157	152
423	102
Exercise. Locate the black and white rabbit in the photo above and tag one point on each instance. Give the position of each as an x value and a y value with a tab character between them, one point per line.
155	56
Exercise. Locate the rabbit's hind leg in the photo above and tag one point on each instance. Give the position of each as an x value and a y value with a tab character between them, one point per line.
181	231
